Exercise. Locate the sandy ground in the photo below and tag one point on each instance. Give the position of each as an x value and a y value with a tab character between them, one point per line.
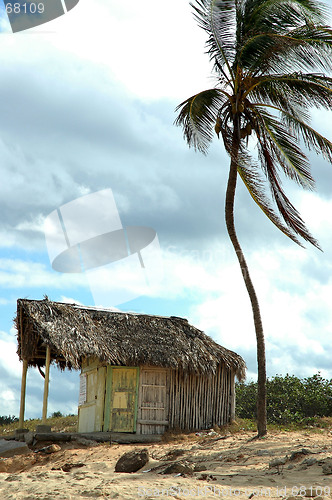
231	467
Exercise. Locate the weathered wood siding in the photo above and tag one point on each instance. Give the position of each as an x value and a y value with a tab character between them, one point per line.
91	413
121	399
200	402
153	400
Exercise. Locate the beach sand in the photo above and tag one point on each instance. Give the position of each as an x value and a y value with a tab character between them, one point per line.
230	466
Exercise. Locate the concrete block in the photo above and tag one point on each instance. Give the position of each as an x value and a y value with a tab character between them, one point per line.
43	428
11	448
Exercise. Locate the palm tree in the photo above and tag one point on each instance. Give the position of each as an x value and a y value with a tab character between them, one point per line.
270	59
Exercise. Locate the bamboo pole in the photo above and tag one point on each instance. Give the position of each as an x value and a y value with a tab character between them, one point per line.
23	388
233	397
46	383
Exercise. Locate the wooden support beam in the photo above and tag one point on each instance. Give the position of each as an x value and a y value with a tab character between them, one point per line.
23	388
153	422
232	395
46	383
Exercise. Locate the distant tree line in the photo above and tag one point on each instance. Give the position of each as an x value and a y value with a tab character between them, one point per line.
8	420
289	399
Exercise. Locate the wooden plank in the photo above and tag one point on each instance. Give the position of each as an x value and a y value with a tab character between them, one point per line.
154	385
100	401
152	408
153	400
153	422
124	399
107	410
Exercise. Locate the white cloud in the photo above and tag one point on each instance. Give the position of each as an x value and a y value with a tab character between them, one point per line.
17	273
9	358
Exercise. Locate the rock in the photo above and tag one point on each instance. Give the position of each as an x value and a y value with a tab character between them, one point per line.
261	453
132	461
179	468
327	468
207	477
11	448
53	436
277	462
309	461
297	454
52	448
29	437
173	454
85	442
199	468
21	431
43	428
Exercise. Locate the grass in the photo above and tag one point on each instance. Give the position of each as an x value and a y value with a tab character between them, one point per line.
69	424
58	424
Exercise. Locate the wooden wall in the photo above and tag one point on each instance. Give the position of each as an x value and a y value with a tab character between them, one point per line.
153	400
200	402
166	399
91	412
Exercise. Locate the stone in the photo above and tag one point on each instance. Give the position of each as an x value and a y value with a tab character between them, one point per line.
297	454
11	448
29	437
52	448
277	462
132	461
199	468
21	431
309	461
327	468
85	442
173	454
261	453
43	428
179	468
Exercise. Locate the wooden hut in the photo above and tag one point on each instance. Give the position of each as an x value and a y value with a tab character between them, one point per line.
139	373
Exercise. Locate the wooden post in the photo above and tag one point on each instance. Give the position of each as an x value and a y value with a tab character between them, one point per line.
232	389
23	387
46	381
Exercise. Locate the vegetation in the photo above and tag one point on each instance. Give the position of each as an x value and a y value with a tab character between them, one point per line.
290	400
8	420
270	60
63	423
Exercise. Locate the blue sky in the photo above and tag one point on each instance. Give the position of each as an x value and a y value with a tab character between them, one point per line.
80	114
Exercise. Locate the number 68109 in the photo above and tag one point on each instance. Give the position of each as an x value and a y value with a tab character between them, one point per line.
25	8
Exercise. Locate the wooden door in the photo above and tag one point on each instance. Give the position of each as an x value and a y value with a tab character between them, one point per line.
121	399
153	408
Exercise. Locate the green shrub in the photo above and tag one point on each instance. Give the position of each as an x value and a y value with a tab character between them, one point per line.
8	420
289	399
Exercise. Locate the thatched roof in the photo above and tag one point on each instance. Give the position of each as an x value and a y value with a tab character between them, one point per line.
75	332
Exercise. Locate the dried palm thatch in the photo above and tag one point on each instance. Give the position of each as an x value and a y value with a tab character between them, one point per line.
74	332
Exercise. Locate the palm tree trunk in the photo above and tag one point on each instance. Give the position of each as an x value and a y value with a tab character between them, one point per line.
229	217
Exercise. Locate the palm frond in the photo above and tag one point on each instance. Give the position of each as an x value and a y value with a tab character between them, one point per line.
197	116
312	139
217	18
287	210
302	90
279	16
300	50
249	173
283	149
